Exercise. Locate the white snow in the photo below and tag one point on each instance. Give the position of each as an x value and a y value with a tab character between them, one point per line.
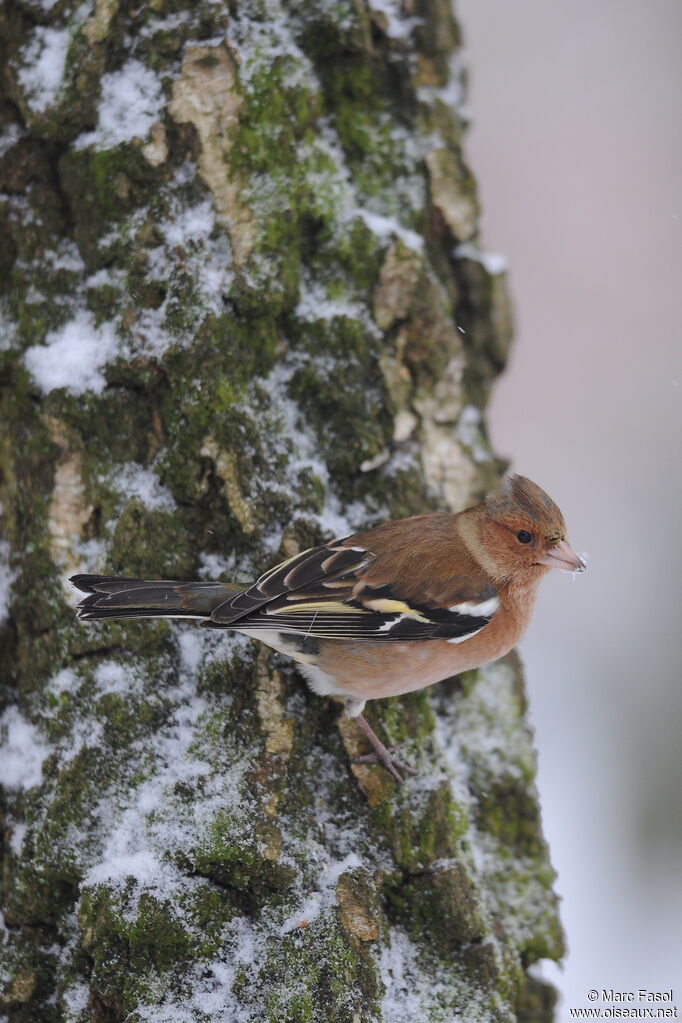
386	227
9	136
401	1001
488	727
324	895
43	61
89	555
208	995
189	245
410	993
75	999
107	275
452	94
397	25
314	305
167	24
6	580
112	677
125	855
192	224
73	356
213	566
493	262
144	832
87	732
67	257
8	328
22	751
330	850
470	433
131	100
334	519
261	42
17	836
134	481
65	681
191	643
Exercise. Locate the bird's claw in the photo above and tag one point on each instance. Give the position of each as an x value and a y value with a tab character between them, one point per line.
387	760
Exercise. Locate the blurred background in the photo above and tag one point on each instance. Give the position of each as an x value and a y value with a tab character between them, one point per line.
576	141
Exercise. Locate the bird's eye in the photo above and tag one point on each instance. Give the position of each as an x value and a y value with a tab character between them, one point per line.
523	536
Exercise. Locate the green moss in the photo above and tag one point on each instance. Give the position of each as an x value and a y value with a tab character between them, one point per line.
236	349
126	719
42	896
536	1002
419	837
27	983
547	941
316	971
408	717
509	812
104	187
240	852
360	258
155	935
131	940
233	677
405	493
444	904
171	555
116	427
349	400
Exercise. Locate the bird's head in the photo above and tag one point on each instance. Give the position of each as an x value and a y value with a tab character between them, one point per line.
523	532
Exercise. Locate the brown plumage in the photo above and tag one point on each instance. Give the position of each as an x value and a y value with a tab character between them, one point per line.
387	610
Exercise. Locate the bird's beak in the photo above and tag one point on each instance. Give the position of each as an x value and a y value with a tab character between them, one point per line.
561	556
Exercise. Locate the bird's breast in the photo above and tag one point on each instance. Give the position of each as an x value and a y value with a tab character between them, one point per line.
372	671
369	670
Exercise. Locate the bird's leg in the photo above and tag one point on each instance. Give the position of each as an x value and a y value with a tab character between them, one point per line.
381	753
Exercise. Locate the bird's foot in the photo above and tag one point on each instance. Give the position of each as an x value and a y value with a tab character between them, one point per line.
387	760
382	754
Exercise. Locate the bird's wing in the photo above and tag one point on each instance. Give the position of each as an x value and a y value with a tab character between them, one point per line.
327	573
341	591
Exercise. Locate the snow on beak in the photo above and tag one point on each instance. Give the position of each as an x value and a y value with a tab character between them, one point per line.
561	556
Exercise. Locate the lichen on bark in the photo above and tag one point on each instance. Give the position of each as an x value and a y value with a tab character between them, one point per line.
237	321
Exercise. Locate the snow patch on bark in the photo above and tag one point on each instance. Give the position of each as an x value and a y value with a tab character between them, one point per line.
131	101
43	62
22	751
6	579
73	356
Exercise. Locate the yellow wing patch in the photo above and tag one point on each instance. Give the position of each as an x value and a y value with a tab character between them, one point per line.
322	606
391	607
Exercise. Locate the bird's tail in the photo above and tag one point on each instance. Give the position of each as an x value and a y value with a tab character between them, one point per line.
115	597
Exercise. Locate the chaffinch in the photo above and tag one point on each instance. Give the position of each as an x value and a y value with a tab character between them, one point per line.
385	611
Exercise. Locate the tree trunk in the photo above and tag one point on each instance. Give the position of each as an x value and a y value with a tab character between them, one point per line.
243	312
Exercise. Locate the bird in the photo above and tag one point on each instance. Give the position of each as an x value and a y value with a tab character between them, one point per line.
385	611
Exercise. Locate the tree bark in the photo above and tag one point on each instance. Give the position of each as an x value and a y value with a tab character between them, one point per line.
243	312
